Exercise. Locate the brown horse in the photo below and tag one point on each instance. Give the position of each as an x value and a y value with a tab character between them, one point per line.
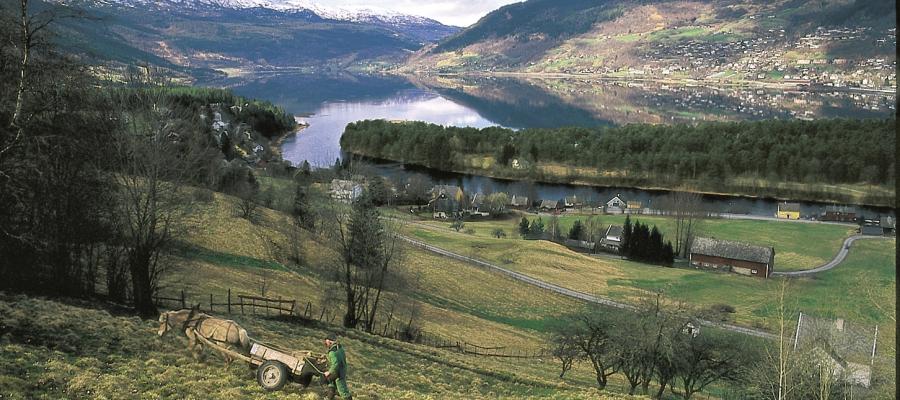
194	323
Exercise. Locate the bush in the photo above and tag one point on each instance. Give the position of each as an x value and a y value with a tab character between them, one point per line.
203	195
469	231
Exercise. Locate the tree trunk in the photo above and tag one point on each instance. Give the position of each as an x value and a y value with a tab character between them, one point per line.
140	284
23	68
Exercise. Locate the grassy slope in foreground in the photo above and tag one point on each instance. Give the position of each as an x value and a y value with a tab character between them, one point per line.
57	350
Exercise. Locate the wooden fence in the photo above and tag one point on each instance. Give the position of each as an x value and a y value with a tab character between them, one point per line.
263	306
245	304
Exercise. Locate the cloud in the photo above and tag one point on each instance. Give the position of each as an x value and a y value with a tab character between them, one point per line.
450	12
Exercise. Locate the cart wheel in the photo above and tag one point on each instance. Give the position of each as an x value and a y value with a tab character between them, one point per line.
271	375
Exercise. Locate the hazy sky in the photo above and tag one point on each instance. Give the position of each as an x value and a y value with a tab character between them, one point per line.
450	12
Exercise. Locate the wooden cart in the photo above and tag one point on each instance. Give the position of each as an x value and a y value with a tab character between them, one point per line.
274	367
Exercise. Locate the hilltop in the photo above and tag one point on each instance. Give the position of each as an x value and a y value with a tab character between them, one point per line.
199	38
804	41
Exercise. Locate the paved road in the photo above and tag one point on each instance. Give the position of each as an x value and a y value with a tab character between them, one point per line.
564	291
839	258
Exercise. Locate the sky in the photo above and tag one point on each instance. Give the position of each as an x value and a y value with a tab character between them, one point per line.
450	12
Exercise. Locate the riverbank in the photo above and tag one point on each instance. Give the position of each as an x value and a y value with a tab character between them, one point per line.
712	83
275	145
558	174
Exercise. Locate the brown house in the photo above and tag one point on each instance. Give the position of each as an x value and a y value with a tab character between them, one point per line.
839	213
740	258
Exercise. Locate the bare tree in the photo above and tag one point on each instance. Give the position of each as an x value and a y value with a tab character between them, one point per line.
368	256
152	169
687	209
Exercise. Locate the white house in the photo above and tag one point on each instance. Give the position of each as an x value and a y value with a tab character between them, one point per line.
615	205
344	190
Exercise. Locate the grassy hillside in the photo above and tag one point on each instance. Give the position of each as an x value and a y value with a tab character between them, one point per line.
575	36
63	348
867	274
59	349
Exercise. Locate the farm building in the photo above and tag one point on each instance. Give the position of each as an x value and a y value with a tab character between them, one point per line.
573	201
845	348
839	213
871	230
615	205
740	258
612	240
447	198
344	190
549	205
634	207
788	210
517	201
888	225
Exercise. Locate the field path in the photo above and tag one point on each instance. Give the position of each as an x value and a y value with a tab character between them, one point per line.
565	291
838	258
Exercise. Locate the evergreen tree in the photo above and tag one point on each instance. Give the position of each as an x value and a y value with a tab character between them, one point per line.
537	227
524	226
302	209
625	247
577	230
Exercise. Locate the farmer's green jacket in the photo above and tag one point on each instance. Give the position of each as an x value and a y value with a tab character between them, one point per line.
337	361
337	367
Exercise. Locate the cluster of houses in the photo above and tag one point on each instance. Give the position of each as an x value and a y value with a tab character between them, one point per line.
449	200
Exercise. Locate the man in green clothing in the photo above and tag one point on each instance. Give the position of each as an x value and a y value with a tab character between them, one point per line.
337	369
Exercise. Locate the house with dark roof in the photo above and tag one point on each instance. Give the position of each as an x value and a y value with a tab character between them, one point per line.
839	214
738	257
573	201
612	240
871	230
519	201
549	205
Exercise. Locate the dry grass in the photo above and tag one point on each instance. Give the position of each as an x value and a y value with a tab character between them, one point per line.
55	350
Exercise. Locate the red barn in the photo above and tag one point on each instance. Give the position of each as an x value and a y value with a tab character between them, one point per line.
726	255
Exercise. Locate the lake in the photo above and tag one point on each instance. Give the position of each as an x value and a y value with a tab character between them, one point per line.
329	102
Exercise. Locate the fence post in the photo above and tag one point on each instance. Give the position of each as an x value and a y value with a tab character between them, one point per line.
322	315
306	311
293	306
279	305
210	303
229	300
182	299
242	304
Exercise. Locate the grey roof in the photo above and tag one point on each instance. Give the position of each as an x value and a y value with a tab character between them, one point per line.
873	230
733	250
549	203
840	209
518	200
789	207
614	230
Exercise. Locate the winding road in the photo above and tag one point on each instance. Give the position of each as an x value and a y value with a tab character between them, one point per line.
568	292
838	258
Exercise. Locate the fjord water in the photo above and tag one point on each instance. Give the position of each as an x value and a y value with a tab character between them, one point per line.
329	103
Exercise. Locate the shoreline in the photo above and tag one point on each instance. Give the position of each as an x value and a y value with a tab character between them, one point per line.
275	145
714	83
582	183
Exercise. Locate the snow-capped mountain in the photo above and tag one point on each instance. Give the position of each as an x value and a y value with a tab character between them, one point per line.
223	34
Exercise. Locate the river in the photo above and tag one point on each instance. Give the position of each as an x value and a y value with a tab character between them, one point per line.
329	102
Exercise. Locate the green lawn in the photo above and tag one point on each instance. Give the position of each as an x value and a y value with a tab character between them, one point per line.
869	268
798	246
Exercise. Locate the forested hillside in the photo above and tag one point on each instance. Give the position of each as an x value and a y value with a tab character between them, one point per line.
807	152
